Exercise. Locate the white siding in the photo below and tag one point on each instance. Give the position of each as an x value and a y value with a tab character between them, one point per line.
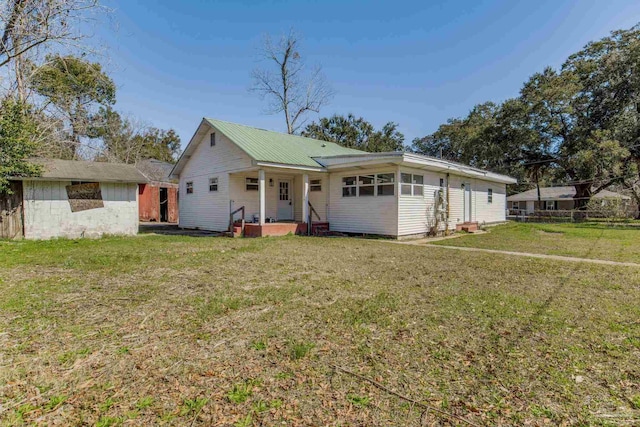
485	212
204	209
416	215
368	215
47	213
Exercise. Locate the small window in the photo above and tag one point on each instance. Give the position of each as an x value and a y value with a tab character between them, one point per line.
386	184
212	140
411	185
550	205
251	184
213	184
315	185
349	188
441	182
365	184
515	205
190	187
490	195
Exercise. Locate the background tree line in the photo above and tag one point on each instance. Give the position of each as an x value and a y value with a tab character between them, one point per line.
55	101
578	125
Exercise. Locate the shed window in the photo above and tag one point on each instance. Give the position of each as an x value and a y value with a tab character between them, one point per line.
251	184
490	195
213	184
411	185
315	185
212	140
189	187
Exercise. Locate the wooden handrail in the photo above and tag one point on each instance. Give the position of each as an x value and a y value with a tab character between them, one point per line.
312	210
241	208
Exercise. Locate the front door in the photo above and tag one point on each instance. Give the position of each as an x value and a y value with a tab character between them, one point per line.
467	202
285	200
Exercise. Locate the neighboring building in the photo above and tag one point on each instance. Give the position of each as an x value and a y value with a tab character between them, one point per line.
72	199
554	199
158	199
279	177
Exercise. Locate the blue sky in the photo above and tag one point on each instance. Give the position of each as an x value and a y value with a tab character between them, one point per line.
416	63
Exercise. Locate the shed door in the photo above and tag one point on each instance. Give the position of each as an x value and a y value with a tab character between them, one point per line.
285	200
11	212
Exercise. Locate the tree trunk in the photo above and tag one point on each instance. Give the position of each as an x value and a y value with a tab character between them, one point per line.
582	197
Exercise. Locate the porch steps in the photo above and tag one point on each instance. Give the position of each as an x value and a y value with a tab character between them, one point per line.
469	227
320	228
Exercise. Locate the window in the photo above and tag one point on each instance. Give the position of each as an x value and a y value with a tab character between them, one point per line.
490	195
381	184
213	184
251	184
349	188
212	141
515	205
315	185
190	187
411	185
441	182
365	185
550	205
385	184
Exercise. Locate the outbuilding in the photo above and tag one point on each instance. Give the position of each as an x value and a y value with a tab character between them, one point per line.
72	199
158	198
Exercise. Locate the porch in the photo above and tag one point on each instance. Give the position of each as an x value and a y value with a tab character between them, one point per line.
277	202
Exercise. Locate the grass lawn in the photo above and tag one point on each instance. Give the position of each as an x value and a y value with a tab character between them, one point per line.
165	330
588	240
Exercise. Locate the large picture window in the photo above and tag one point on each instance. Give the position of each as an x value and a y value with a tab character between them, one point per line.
411	185
381	184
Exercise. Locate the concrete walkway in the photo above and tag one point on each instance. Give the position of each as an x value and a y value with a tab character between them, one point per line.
530	255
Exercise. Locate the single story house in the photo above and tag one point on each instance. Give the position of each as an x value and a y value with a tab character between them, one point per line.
158	198
280	183
554	199
72	199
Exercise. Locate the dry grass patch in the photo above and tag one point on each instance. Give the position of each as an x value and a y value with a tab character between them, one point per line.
175	331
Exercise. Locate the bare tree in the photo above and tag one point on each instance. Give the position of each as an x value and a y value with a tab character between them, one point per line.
26	26
288	87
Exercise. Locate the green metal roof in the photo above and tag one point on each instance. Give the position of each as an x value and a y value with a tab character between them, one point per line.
281	148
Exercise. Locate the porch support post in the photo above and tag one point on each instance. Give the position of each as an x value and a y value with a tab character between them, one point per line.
263	199
305	198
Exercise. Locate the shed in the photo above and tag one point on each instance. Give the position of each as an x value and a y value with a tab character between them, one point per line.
72	199
158	198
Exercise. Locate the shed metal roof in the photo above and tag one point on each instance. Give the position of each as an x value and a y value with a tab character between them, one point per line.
74	170
560	193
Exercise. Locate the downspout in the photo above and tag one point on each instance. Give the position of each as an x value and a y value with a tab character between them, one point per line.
446	228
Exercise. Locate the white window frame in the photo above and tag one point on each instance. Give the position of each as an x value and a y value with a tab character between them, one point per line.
189	187
315	185
490	195
213	182
412	186
553	205
212	139
355	189
251	184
